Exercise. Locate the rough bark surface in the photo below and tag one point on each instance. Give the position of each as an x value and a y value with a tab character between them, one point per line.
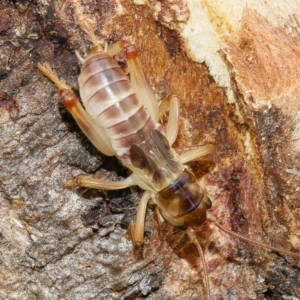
71	244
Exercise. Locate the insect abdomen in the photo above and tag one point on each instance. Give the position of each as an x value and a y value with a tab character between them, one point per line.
109	98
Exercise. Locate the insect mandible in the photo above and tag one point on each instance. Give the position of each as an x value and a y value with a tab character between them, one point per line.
121	118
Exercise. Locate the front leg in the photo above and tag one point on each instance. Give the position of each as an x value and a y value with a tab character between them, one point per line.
100	184
137	228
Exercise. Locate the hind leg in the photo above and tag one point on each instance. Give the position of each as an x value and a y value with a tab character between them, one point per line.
93	131
170	104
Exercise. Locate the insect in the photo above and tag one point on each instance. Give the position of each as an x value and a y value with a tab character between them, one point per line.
121	118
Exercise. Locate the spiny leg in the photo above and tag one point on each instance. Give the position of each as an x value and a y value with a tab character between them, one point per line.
138	79
145	92
93	131
194	152
171	103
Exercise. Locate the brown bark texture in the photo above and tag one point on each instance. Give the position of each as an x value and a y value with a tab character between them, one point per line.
57	243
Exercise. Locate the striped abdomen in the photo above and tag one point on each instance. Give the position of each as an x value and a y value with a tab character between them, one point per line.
109	98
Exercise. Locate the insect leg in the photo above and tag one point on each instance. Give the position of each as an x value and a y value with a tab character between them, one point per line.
139	81
93	131
95	183
193	152
171	103
137	228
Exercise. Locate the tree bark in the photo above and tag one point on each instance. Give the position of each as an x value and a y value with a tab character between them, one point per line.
236	76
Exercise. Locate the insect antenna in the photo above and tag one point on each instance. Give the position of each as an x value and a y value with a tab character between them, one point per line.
212	219
191	233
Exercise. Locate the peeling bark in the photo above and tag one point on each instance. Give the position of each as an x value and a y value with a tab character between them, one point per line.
71	244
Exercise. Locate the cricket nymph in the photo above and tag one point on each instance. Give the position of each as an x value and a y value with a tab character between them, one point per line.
121	118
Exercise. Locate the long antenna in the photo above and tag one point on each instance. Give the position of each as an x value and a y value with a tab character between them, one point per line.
193	238
211	218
